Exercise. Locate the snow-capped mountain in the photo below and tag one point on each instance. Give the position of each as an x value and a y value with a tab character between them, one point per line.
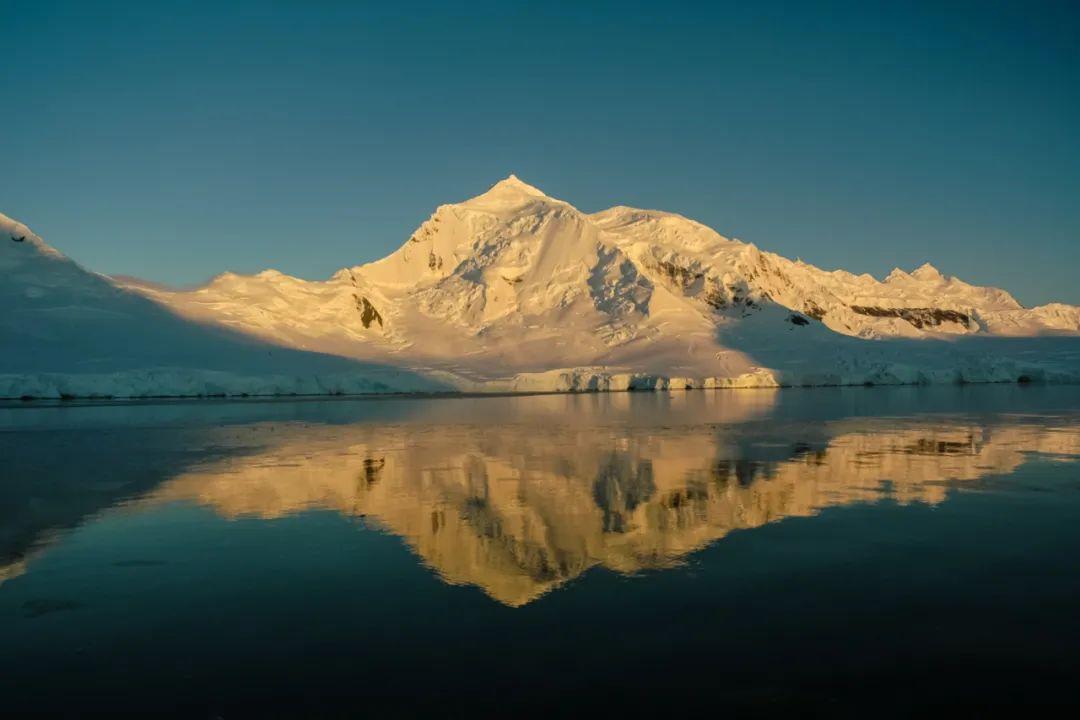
513	289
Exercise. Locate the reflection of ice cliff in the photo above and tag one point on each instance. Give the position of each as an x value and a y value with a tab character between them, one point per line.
518	510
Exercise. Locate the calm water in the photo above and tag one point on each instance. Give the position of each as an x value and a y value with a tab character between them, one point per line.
834	550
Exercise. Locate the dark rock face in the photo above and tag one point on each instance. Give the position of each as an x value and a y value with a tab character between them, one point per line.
681	276
796	319
812	309
715	297
368	313
721	297
919	317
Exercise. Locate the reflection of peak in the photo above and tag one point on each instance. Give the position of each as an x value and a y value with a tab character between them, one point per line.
518	511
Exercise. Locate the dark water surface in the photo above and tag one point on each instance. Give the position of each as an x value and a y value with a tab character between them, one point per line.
832	551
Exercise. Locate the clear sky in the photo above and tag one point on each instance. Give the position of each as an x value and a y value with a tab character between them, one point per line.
175	140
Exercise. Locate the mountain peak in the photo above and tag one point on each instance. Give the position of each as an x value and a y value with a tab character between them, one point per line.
509	193
22	236
15	229
926	271
513	183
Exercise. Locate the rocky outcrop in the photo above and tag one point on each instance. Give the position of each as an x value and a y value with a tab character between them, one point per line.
919	317
368	313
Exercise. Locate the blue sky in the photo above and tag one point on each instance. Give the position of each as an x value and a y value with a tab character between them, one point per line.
175	140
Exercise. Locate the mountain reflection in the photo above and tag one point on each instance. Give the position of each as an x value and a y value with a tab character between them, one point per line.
518	509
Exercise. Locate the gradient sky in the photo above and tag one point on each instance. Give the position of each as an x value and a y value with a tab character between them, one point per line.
174	141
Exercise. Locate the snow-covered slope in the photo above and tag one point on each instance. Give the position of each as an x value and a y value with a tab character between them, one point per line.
65	331
515	290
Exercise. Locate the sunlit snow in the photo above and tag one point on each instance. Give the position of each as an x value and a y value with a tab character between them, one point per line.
516	291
